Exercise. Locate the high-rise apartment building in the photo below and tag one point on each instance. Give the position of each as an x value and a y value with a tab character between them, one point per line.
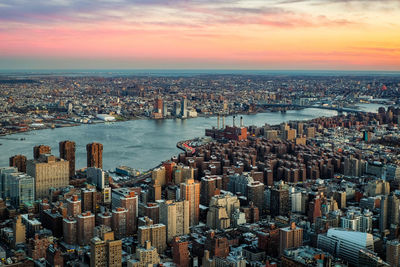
217	245
130	203
238	183
279	203
175	216
155	233
289	134
221	210
67	152
310	132
151	210
114	253
41	150
90	199
70	230
49	172
159	175
290	237
155	191
74	206
208	186
98	254
19	231
169	168
104	218
145	256
94	155
105	252
85	228
255	194
180	252
18	161
389	211
190	191
393	252
119	222
54	256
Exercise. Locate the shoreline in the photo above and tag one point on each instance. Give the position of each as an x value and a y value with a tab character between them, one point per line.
291	117
148	118
124	120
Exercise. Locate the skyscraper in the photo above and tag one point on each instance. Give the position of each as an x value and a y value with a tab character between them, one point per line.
67	152
190	191
94	155
184	107
159	105
177	108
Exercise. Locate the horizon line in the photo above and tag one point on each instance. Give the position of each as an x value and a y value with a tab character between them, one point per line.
192	69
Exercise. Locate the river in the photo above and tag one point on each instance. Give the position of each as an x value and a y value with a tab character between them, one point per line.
140	144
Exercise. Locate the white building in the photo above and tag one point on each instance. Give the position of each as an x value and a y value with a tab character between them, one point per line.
105	117
345	244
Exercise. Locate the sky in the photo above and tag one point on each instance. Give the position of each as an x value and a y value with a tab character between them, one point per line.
201	34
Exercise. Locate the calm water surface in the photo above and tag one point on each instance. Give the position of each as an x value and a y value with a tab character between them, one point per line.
140	144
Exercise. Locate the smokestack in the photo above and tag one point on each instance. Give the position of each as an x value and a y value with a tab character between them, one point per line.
218	122
223	122
233	120
241	121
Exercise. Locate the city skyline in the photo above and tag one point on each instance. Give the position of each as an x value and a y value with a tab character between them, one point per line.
224	34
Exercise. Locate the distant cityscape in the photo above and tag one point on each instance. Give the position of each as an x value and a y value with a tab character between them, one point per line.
319	192
38	102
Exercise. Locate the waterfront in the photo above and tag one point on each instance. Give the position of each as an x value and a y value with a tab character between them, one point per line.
140	144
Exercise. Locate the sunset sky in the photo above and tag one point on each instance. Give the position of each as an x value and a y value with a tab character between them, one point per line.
184	34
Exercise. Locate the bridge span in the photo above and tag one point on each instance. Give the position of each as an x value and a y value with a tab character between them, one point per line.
338	109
